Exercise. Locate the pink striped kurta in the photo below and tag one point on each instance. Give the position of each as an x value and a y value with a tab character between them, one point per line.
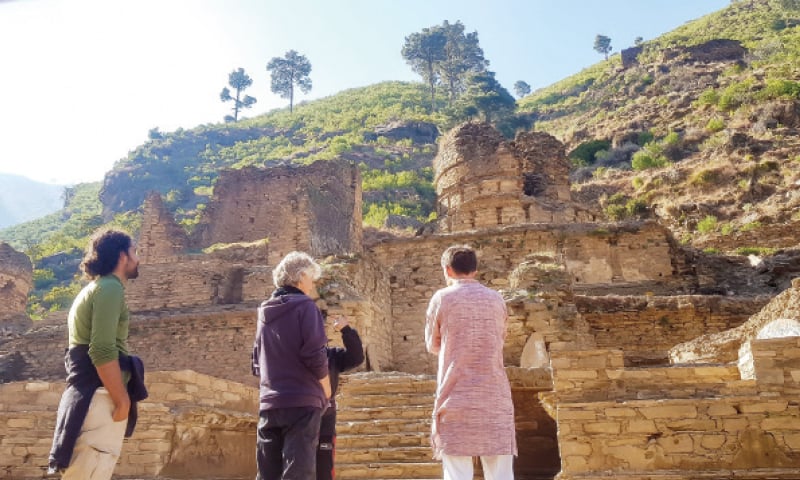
473	414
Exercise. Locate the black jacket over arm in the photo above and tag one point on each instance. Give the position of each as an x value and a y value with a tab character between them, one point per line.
82	381
341	360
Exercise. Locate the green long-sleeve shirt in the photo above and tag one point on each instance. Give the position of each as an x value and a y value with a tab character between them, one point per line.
99	318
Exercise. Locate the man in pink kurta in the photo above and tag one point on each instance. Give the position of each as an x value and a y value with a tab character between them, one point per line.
473	414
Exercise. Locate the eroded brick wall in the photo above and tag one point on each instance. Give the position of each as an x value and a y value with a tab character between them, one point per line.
723	347
316	209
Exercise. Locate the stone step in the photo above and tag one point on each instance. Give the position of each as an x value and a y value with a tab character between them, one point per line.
415	412
415	439
389	388
348	399
384	455
383	427
408	470
397	377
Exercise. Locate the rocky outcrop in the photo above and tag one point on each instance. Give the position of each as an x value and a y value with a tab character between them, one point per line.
419	132
16	280
717	50
630	56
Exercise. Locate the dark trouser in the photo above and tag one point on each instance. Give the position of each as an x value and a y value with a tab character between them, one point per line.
325	456
286	446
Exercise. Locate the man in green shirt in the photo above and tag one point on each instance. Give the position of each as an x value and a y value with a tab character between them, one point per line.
92	415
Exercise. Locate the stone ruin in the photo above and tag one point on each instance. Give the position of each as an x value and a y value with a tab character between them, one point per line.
482	181
621	367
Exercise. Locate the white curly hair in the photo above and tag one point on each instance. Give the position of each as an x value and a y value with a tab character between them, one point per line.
291	269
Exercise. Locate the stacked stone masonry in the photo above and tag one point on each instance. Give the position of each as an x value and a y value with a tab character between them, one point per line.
482	181
678	421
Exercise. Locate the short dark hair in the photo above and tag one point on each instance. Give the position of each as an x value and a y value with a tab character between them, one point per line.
102	253
461	258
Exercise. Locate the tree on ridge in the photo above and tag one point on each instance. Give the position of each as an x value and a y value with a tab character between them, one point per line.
602	45
423	51
239	81
445	55
521	88
287	72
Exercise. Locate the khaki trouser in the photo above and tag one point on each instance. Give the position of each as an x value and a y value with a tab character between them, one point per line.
99	444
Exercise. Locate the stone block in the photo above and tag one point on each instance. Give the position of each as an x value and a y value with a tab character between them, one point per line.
712	442
679	443
575	414
620	412
640	426
765	407
721	410
669	411
611	428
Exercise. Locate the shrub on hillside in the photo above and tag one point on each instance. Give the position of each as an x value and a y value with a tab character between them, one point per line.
584	154
707	225
651	156
715	124
780	89
736	95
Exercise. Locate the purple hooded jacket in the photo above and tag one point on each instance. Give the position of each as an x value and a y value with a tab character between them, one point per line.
289	353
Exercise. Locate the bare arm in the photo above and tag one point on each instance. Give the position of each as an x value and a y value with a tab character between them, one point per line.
326	385
111	376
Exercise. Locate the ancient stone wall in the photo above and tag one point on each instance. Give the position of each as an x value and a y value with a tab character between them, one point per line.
215	341
191	426
414	273
677	422
161	239
647	327
483	181
316	209
359	289
234	274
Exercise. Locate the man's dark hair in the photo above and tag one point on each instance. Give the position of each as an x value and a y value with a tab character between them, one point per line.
102	254
461	258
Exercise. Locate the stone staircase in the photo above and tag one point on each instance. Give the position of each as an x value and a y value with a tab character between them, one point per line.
383	427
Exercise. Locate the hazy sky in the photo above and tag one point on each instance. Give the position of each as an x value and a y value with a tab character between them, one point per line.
82	81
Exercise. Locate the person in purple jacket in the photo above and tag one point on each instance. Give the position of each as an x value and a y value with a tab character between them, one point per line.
291	360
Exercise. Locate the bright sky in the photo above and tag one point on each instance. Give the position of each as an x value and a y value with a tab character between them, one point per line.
82	81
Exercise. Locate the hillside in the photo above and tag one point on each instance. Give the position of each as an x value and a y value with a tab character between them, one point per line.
383	128
23	199
700	131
